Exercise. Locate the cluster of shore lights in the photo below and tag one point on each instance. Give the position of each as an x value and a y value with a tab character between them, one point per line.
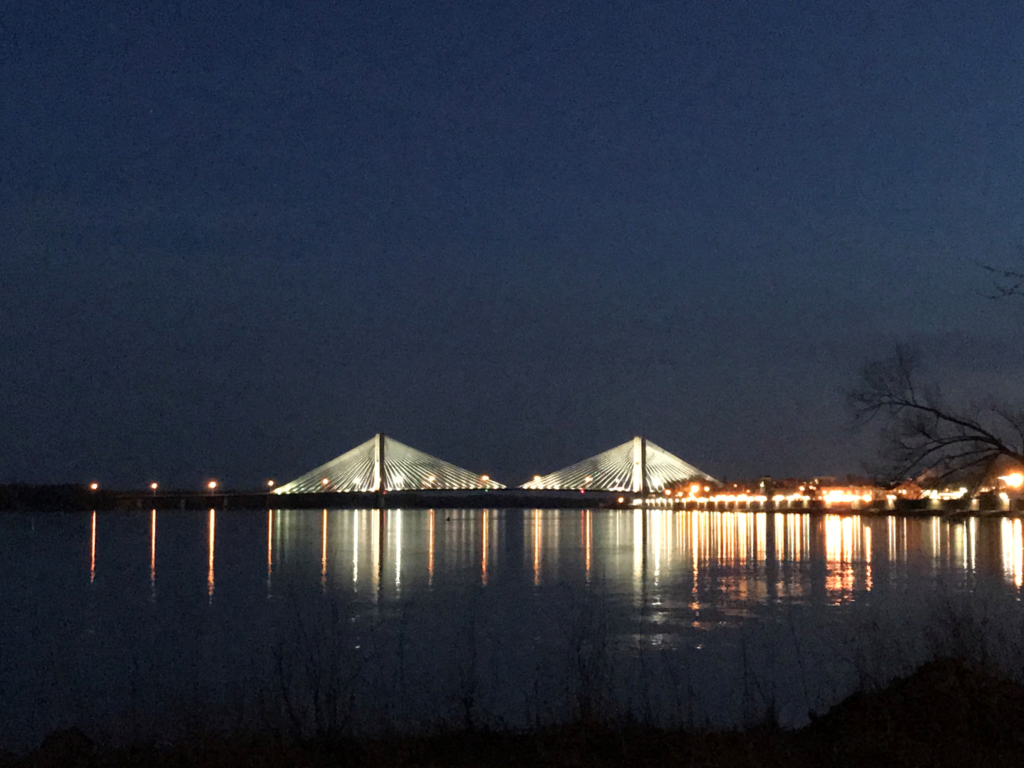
837	496
696	488
1013	480
741	498
945	495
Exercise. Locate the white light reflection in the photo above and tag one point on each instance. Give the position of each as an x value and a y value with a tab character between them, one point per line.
323	552
588	539
430	550
1013	551
270	548
537	539
483	549
973	528
355	550
656	522
638	548
397	515
376	531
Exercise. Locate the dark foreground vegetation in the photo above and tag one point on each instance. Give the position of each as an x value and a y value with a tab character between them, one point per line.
944	714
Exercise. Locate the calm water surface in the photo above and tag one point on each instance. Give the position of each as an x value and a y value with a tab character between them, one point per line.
147	623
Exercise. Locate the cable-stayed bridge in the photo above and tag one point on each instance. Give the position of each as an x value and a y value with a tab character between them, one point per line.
636	466
383	464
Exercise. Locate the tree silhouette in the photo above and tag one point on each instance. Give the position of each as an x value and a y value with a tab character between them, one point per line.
923	435
1007	282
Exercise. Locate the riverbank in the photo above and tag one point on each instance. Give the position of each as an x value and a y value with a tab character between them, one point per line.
74	498
944	714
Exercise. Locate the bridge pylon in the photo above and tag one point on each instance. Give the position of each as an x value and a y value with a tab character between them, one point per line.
638	466
383	464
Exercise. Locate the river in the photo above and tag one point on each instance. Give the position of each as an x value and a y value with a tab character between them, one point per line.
139	625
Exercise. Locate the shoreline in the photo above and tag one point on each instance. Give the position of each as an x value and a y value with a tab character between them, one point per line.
73	498
947	712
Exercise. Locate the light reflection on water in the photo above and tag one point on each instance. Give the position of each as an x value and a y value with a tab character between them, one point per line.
727	553
692	582
1013	551
212	525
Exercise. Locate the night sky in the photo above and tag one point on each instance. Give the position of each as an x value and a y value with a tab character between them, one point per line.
237	239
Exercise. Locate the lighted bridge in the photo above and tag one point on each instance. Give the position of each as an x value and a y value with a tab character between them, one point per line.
638	466
384	464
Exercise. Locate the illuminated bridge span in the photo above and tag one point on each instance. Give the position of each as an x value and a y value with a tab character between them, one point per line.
384	464
638	466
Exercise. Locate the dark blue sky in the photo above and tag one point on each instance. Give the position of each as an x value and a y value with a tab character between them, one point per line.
236	239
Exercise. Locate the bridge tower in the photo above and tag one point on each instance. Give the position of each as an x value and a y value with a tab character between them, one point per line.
639	465
381	465
378	463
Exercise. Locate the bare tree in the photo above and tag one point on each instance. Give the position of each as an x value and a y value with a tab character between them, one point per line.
1006	282
925	435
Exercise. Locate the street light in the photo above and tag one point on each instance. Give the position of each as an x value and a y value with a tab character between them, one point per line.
212	485
270	483
94	486
153	487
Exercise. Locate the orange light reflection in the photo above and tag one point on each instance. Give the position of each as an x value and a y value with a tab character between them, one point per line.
430	550
323	552
483	554
536	547
588	534
152	548
1013	551
270	548
270	541
92	550
867	559
209	573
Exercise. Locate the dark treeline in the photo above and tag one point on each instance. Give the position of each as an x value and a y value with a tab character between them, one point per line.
70	498
21	496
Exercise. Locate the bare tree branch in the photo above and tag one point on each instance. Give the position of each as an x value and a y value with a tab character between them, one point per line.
923	435
1008	282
